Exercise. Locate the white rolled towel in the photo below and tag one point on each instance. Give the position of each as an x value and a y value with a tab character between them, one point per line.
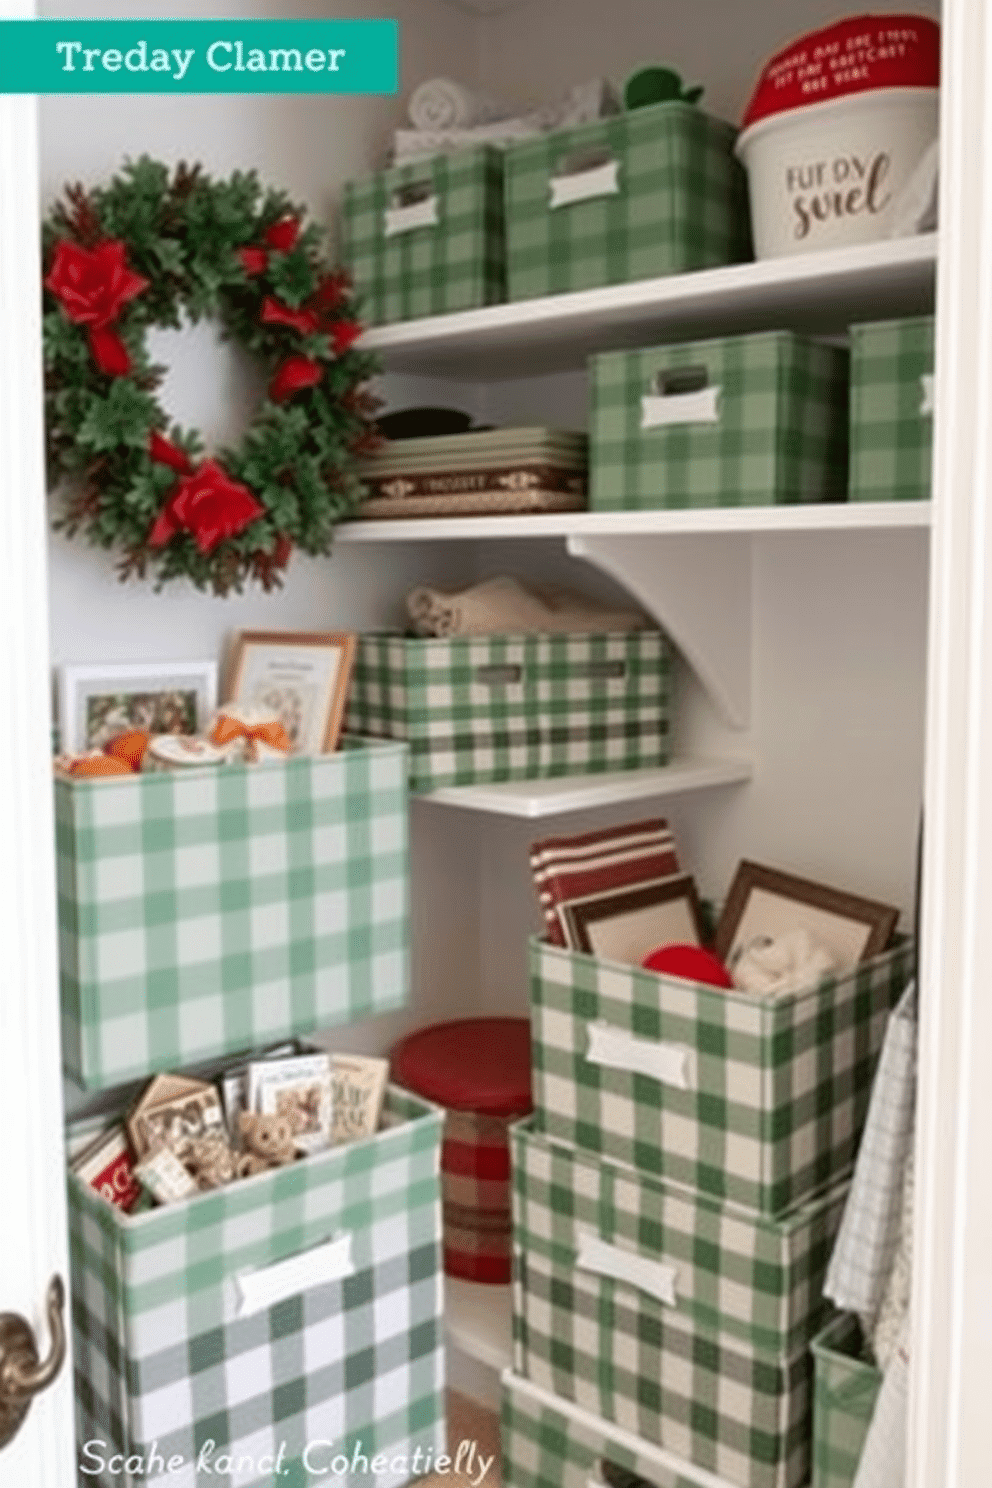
441	103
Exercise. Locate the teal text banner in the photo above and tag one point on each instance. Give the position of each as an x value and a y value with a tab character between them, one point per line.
223	56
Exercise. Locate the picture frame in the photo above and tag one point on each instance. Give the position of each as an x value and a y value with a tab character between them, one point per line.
301	675
97	700
628	924
766	902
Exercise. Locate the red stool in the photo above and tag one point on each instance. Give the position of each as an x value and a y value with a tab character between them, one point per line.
479	1070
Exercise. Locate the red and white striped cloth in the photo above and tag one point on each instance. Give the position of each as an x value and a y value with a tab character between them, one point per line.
569	868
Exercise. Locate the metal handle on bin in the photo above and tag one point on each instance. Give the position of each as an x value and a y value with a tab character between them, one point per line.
583	176
671	1064
298	1273
657	1278
681	395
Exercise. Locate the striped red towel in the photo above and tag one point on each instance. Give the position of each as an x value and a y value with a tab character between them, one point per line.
570	868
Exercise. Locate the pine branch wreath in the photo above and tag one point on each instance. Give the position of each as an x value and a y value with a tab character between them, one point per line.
149	248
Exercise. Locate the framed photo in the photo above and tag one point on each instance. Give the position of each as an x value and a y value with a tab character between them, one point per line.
165	697
301	675
763	904
627	924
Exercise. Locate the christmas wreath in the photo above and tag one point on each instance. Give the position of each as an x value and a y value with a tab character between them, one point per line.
151	248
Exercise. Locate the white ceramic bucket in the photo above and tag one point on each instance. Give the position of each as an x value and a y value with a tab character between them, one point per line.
831	174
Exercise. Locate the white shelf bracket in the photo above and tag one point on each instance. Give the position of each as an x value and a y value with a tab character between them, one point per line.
698	588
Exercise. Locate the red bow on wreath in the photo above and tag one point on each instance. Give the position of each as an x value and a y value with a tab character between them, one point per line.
207	503
93	285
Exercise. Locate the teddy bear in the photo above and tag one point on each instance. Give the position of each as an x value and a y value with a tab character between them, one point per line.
211	1161
267	1142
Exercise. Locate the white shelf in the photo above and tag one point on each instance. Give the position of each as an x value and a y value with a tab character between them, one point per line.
840	516
478	1321
537	798
813	291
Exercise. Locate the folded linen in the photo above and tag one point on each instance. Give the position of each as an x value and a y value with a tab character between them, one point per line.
883	1456
894	1309
442	103
504	606
866	1243
583	104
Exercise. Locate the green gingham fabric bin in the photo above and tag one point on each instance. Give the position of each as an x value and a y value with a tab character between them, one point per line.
756	1100
643	1302
491	708
548	1442
739	421
651	192
891	410
205	1331
206	912
845	1389
427	238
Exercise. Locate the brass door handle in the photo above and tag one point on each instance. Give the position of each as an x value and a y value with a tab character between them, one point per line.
22	1374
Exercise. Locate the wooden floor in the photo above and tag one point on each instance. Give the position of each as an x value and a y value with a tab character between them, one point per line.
470	1426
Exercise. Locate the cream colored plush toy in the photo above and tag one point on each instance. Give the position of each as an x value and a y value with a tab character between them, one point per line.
267	1142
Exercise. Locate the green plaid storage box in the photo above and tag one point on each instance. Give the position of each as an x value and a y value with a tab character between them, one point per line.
651	192
489	708
891	410
206	912
643	1302
739	421
548	1442
168	1355
845	1389
427	238
760	1101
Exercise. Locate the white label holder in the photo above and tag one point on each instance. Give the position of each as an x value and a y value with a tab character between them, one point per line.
671	1064
579	186
298	1273
700	407
412	215
926	394
657	1278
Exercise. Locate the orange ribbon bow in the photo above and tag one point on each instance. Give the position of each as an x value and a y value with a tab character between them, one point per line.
226	729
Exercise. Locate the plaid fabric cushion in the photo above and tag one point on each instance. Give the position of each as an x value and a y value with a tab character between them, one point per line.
208	912
453	260
586	1229
164	1356
765	1100
668	196
569	868
891	410
845	1390
494	708
475	1190
742	421
552	1443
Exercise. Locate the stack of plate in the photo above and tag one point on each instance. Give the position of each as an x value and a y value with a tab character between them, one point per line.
484	471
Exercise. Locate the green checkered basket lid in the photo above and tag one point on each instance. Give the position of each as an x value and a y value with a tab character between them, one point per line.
427	238
650	192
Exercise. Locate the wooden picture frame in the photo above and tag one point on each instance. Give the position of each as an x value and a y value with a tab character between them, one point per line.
301	675
97	700
764	903
628	924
